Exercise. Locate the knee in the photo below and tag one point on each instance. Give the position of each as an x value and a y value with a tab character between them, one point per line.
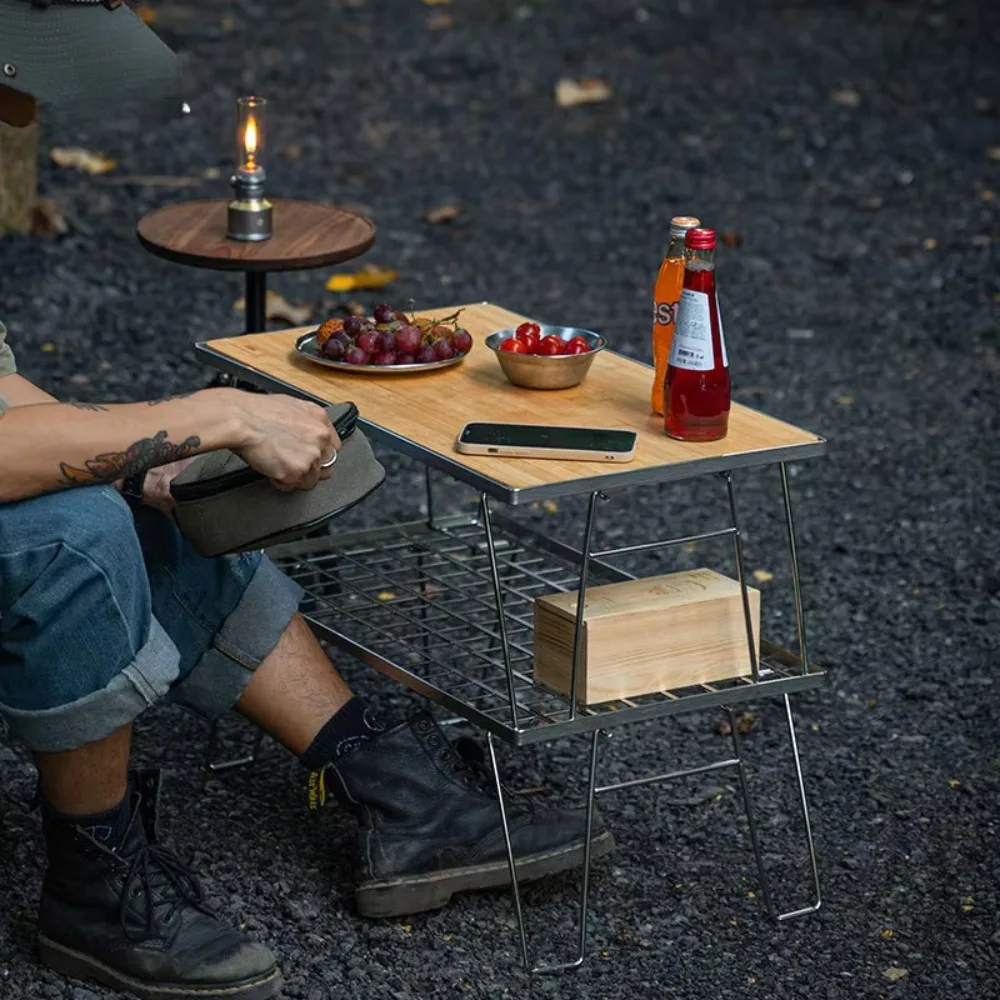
69	538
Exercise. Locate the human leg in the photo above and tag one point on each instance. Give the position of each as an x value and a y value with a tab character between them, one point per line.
81	656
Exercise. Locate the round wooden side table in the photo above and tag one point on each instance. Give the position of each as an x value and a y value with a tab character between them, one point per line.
306	235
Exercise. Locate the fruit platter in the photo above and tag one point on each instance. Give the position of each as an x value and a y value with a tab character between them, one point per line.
390	342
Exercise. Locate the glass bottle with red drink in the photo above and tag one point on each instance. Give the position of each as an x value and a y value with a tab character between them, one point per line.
697	397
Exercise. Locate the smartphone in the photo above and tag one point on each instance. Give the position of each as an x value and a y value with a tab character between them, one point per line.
585	444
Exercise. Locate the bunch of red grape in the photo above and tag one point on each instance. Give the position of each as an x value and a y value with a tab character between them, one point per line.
391	337
528	339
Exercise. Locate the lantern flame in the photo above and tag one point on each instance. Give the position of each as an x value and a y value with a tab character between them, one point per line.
250	144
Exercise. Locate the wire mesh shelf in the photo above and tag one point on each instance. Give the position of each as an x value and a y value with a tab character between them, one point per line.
416	601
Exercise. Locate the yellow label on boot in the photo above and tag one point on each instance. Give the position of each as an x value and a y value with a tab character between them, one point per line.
317	789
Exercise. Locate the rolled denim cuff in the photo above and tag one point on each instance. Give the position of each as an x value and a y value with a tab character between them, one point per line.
97	715
217	680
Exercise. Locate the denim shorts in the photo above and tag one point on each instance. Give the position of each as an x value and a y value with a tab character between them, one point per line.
104	611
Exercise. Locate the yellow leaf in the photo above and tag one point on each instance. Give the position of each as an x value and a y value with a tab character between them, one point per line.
751	895
845	400
589	90
988	195
386	595
211	173
406	928
443	213
367	279
966	907
894	973
888	932
690	547
439	20
762	576
48	347
849	98
448	937
277	308
930	243
954	782
733	922
993	152
76	158
550	506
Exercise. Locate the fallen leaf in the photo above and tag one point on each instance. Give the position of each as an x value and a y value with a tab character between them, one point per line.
75	158
439	20
849	98
733	922
211	173
731	238
358	309
550	505
48	347
762	576
894	973
930	243
443	213
993	152
47	219
146	12
888	932
745	723
278	308
368	278
690	547
386	595
988	195
406	928
589	90
448	937
845	400
954	782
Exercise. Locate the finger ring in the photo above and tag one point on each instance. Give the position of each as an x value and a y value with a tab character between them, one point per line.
331	463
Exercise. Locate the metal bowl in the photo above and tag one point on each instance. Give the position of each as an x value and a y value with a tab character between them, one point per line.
539	371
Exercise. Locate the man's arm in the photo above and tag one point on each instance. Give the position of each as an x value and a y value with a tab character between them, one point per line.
46	447
15	390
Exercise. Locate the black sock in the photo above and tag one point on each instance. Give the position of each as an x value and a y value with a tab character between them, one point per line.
352	726
107	828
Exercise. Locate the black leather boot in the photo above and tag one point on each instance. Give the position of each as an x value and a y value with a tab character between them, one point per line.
133	918
430	822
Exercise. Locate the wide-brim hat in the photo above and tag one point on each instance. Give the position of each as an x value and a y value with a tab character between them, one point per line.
87	58
223	506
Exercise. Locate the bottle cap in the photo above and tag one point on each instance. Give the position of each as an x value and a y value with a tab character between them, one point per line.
700	239
680	224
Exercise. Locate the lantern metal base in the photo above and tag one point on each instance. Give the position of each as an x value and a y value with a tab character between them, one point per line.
250	221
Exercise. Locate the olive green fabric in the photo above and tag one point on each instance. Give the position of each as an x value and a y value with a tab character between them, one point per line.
258	514
7	365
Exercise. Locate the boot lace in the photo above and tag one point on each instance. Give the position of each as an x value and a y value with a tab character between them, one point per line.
157	878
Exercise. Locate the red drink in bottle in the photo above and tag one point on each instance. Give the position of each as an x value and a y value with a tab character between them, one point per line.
697	395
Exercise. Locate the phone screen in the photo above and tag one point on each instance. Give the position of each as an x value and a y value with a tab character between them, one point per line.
563	438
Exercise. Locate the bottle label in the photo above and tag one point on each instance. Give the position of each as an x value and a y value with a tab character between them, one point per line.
664	313
722	336
692	343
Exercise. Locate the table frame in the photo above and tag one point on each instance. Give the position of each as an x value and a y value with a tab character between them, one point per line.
510	716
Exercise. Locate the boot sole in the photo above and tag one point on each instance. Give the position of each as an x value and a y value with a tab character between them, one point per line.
402	897
77	965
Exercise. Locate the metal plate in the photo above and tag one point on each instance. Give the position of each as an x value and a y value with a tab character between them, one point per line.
306	346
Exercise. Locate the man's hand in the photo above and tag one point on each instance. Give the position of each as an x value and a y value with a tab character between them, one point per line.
288	440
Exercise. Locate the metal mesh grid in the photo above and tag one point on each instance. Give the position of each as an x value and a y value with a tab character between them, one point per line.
418	601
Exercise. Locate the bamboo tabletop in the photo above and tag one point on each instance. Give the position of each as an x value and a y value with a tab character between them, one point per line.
423	414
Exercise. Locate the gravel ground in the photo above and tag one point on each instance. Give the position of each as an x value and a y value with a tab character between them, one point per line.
846	143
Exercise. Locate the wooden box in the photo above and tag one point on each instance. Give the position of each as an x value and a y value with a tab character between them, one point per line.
642	636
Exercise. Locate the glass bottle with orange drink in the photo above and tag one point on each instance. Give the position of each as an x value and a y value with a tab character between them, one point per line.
668	292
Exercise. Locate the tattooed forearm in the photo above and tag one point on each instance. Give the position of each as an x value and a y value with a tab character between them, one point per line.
144	454
93	407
